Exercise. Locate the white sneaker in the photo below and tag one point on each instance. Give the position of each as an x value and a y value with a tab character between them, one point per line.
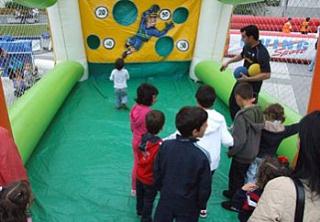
203	213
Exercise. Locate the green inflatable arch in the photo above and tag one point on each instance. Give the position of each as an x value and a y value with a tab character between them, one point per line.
209	73
36	3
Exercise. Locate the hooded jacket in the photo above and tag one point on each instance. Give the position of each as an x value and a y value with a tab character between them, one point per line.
272	135
147	153
248	125
215	135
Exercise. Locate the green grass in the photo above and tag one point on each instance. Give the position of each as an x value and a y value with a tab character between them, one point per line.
23	29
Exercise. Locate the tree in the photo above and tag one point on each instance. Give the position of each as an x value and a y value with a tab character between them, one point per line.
14	5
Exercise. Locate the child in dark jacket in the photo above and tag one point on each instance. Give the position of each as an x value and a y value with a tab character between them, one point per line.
273	133
247	128
147	153
182	170
246	198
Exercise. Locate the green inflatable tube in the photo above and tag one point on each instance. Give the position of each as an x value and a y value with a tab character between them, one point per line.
31	114
223	82
36	3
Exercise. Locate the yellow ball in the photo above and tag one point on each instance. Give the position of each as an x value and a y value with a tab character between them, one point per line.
254	69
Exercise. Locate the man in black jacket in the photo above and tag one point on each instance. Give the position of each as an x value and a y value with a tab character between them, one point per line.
182	170
253	52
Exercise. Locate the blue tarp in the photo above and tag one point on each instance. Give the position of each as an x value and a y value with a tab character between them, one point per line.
17	46
18	52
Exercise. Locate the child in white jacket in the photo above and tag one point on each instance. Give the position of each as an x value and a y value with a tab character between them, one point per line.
217	133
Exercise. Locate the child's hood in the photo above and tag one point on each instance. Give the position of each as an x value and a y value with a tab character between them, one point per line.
254	117
148	138
275	126
215	121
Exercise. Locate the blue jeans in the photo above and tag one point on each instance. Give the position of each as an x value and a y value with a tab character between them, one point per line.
253	170
121	97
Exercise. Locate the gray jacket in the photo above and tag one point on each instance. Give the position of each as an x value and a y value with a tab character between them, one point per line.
248	124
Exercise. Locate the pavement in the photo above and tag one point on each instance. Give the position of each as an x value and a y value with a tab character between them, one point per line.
290	84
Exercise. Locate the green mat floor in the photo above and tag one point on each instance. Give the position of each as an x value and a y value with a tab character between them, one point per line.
81	169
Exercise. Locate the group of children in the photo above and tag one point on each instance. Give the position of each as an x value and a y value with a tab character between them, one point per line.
24	79
257	136
181	166
184	183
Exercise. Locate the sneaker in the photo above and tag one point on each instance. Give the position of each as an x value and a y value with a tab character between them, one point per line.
227	194
133	193
203	213
228	206
124	106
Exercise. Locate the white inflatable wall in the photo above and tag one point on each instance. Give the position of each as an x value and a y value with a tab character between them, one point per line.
66	31
212	32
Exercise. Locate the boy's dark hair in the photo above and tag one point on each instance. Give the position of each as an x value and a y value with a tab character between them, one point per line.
154	121
190	118
14	200
244	90
145	93
206	96
251	30
308	19
119	64
271	168
274	112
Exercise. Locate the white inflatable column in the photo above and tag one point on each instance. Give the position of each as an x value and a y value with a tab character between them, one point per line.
66	32
212	32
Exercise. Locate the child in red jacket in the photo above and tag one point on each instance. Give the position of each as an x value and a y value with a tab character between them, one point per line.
148	150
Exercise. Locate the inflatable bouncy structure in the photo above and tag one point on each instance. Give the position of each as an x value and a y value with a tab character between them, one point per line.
159	37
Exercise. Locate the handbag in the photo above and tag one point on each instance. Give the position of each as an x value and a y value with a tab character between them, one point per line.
298	216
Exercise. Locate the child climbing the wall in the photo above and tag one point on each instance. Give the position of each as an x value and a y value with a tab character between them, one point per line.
148	150
246	133
273	133
146	97
119	76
